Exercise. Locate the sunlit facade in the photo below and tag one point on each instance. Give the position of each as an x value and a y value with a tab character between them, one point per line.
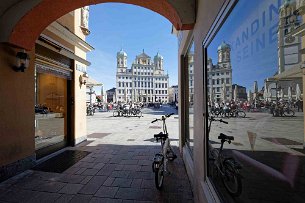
145	81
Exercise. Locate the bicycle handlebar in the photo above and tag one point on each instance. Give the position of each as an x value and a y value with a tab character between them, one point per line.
220	120
168	115
163	117
155	120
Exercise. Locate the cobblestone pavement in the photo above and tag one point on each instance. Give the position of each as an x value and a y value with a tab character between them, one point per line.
118	168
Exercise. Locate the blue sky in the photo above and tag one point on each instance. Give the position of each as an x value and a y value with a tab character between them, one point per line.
251	31
115	25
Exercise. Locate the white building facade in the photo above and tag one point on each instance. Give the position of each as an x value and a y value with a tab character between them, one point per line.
220	75
145	81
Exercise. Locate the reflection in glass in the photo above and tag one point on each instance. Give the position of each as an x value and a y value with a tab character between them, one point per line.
50	110
190	74
255	71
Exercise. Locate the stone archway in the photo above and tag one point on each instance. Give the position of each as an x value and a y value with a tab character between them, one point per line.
24	31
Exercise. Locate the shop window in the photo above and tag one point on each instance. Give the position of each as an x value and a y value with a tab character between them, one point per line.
190	101
264	110
50	110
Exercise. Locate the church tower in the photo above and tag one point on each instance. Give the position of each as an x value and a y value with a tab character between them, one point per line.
121	61
288	46
158	62
224	58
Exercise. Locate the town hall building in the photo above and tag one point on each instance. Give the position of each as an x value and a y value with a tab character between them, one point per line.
145	81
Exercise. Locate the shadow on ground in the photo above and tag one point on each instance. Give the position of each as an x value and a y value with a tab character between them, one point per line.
108	173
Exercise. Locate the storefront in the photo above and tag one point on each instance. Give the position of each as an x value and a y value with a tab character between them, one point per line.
53	76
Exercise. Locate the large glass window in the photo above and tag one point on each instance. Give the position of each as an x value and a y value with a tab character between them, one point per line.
189	59
257	111
50	110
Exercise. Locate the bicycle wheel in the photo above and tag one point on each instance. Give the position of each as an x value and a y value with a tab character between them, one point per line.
231	178
159	176
288	113
116	114
139	114
241	114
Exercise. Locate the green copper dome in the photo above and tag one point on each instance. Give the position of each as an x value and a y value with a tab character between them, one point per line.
159	56
223	45
121	53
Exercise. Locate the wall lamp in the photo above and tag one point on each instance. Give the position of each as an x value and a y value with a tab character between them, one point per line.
22	61
83	79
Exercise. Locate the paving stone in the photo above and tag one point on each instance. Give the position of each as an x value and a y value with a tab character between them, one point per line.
28	183
86	180
127	201
90	172
81	198
122	182
93	185
44	197
136	183
146	168
50	186
148	183
106	192
119	167
18	195
80	171
129	162
107	170
108	181
99	165
64	198
72	178
119	174
131	167
129	193
71	170
105	200
71	188
145	162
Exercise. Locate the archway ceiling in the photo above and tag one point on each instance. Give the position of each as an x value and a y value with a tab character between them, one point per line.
22	21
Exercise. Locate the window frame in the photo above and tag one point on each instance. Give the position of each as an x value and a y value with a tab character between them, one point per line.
220	19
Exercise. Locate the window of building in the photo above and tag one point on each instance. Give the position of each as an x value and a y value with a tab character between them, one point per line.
51	106
268	145
189	134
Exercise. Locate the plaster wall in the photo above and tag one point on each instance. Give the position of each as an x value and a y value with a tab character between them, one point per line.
80	120
67	20
207	11
16	108
58	39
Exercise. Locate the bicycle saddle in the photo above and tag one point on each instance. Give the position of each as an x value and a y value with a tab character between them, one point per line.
225	137
161	135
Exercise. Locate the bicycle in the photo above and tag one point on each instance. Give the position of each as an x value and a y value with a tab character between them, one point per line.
227	167
159	164
90	110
